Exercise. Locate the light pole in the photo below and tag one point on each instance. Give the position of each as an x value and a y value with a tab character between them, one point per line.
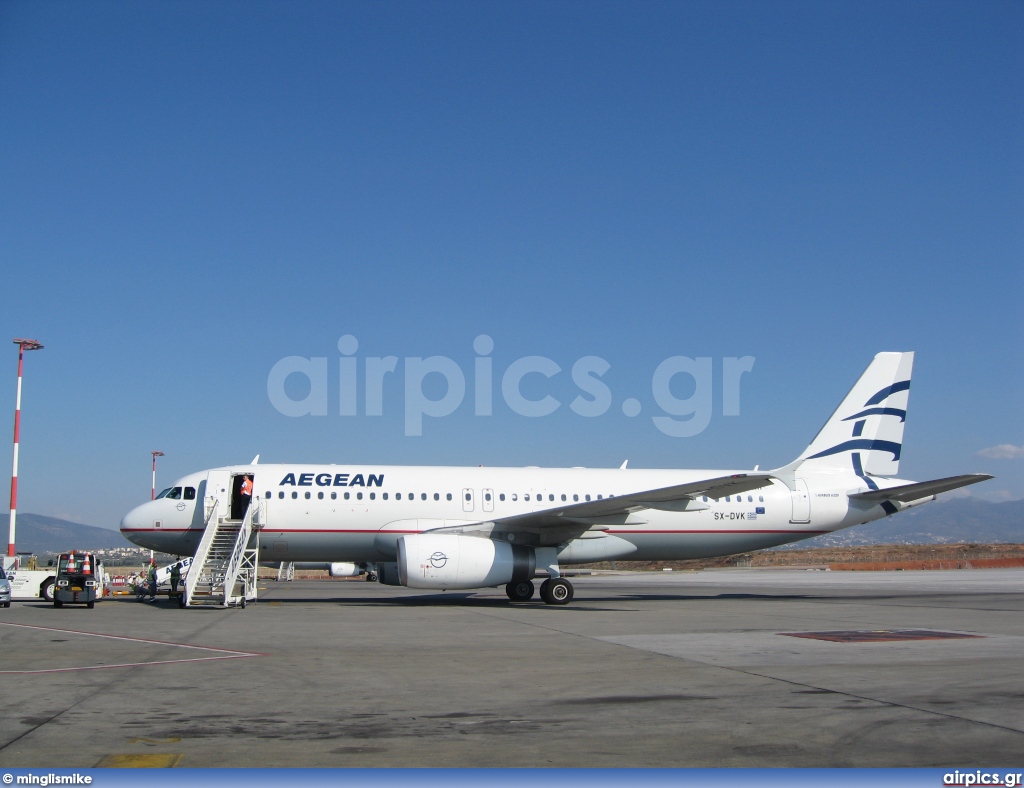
23	345
155	454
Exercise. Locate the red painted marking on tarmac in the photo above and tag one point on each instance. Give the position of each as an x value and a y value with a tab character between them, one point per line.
223	653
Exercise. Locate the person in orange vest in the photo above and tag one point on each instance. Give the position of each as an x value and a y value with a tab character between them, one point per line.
246	486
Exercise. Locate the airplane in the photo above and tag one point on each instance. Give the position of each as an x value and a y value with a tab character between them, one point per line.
445	528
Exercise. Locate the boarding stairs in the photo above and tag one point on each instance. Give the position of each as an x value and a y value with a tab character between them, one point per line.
223	571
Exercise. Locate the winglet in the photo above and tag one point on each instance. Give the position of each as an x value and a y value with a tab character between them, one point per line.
255	460
623	466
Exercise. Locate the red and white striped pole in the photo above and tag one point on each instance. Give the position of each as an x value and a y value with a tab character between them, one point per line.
23	345
152	495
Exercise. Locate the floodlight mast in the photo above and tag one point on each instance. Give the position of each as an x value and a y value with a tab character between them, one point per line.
155	454
23	345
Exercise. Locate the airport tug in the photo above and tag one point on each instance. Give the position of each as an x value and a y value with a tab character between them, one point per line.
78	580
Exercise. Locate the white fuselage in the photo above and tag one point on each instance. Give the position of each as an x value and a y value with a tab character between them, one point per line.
356	513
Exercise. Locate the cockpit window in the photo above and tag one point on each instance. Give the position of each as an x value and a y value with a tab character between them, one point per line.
174	492
163	493
190	493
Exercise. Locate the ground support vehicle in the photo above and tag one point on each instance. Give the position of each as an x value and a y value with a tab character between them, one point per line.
79	579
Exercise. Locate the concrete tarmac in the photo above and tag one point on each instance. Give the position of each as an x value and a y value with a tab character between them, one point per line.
640	670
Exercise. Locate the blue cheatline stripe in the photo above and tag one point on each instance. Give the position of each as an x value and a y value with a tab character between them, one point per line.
879	412
903	385
889	507
858	428
516	778
862	443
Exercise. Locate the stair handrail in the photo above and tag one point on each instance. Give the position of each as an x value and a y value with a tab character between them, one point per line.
235	562
202	551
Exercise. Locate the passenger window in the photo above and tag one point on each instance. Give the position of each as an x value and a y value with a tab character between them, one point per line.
705	499
281	494
383	495
174	493
347	496
190	494
307	496
373	496
449	496
750	499
515	496
588	497
320	495
295	495
551	496
437	496
526	497
728	499
600	497
487	496
501	496
359	496
269	495
760	499
334	496
423	496
469	496
398	496
575	497
563	496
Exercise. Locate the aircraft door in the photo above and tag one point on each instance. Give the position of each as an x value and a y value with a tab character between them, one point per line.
801	503
488	502
467	500
217	499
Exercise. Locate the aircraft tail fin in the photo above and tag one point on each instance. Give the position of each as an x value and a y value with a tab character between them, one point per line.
865	434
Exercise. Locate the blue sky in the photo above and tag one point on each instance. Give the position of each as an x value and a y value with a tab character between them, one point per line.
191	192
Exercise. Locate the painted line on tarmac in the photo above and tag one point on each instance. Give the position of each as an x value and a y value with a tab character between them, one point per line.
221	653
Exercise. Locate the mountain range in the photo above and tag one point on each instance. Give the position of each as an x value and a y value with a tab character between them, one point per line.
37	533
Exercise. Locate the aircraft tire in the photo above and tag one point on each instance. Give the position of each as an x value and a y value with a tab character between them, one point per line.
556	591
243	603
520	592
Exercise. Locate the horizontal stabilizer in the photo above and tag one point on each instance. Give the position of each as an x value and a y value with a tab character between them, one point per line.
914	492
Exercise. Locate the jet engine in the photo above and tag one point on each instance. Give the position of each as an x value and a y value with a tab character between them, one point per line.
448	561
342	569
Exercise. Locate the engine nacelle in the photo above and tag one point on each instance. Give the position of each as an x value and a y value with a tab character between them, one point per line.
448	561
342	569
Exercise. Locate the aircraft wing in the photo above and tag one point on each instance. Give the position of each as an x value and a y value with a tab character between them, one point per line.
556	525
918	490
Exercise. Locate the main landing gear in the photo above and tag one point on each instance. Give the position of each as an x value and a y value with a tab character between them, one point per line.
554	591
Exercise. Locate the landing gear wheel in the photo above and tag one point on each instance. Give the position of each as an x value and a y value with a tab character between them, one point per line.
556	591
46	592
520	592
371	577
243	603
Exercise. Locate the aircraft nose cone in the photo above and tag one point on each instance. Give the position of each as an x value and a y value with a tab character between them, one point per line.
133	522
